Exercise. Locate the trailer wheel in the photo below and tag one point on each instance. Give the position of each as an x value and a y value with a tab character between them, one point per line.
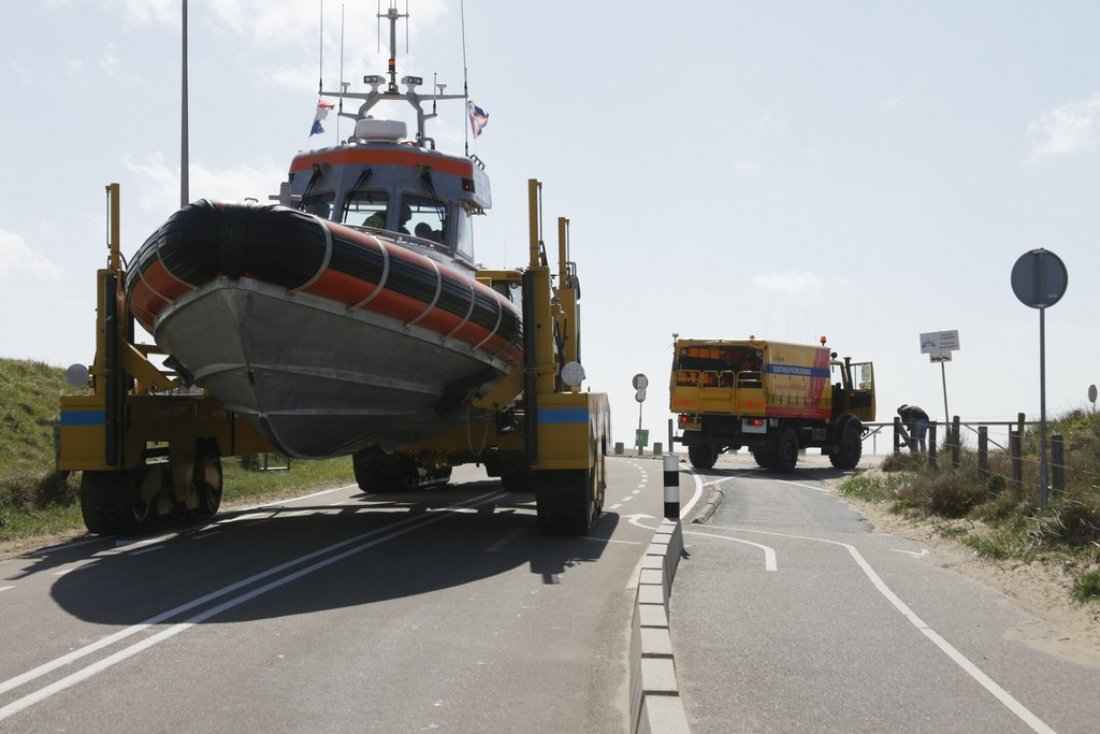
120	502
565	502
702	456
376	471
207	480
760	456
850	449
786	451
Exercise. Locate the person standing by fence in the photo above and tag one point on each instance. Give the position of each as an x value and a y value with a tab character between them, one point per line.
916	422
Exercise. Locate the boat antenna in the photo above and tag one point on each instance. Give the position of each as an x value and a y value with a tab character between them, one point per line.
393	15
465	75
343	84
184	154
321	52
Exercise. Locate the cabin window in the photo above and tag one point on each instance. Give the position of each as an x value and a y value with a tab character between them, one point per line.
366	209
319	204
465	242
427	218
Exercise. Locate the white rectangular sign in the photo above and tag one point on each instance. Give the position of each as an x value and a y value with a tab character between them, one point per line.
935	341
939	355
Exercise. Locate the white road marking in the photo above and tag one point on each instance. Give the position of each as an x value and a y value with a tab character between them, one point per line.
6	588
145	541
769	552
387	533
615	506
922	554
946	647
63	572
695	497
799	484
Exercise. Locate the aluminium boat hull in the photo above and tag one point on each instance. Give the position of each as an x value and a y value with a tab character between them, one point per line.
328	339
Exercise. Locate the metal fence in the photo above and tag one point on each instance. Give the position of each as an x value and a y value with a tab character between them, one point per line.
1007	437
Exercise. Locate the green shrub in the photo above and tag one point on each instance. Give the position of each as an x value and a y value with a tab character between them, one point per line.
1086	587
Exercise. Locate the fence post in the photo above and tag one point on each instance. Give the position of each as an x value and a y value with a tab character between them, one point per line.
932	444
956	443
983	450
1016	448
897	435
1058	462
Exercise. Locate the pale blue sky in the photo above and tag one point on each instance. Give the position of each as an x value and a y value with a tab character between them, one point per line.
864	170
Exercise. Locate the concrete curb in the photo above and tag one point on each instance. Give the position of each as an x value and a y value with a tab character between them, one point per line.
710	506
655	703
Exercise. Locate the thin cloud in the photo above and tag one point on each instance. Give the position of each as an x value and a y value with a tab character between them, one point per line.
794	282
17	258
160	183
1066	130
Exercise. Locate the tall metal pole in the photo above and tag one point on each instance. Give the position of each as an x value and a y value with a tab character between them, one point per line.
943	374
184	183
1043	488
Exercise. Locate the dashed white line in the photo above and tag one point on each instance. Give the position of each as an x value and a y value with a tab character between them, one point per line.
6	588
388	533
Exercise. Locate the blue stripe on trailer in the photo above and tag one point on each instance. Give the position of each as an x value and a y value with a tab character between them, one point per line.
83	418
563	415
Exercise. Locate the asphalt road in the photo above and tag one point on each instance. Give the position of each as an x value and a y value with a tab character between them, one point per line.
440	610
791	615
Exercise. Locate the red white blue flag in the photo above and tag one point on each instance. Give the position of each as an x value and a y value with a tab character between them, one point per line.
322	112
479	118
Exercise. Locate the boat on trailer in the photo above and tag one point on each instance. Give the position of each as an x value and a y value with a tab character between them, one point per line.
348	317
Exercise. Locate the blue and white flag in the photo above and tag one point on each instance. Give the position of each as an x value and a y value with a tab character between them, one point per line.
322	112
479	118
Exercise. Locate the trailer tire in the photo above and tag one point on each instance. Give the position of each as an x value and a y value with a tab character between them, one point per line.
565	502
786	451
702	456
760	456
115	502
376	471
207	479
850	449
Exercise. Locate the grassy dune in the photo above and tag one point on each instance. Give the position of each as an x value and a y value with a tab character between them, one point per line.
35	500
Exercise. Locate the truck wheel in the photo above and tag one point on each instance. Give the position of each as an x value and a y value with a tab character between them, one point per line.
702	456
761	458
786	451
850	449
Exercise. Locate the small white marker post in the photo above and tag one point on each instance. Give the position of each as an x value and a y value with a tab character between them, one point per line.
672	487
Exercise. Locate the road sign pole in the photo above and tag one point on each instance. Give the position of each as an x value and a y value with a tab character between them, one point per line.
1043	488
1039	280
943	375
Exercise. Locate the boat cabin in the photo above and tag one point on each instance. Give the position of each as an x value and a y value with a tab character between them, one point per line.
379	181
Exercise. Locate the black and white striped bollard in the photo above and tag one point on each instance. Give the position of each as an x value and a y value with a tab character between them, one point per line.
672	487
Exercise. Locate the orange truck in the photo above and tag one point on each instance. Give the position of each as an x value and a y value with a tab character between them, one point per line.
770	397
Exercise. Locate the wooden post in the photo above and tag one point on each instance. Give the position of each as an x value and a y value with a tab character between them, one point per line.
956	443
932	444
983	450
1058	462
897	435
1016	448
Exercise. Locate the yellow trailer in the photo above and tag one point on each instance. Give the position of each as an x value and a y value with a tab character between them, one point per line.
149	444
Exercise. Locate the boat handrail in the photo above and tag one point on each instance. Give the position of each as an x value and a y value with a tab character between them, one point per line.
403	239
